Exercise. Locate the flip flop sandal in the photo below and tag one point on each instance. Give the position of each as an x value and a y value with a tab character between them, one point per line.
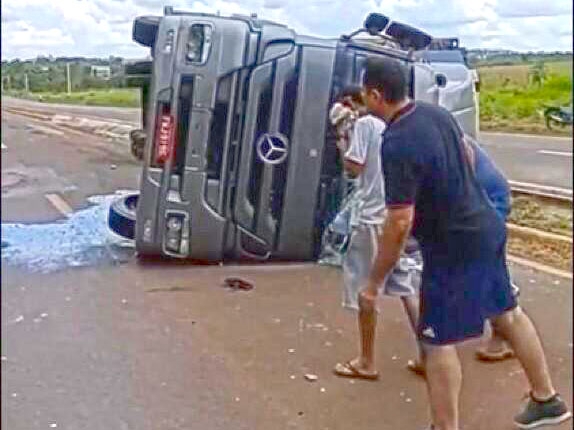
416	367
488	356
347	370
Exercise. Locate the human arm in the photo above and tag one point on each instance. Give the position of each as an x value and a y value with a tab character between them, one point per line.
353	168
355	157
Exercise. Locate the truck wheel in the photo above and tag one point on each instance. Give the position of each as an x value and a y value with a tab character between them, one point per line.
144	30
122	216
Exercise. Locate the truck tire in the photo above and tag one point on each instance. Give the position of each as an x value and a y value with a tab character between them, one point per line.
122	216
144	30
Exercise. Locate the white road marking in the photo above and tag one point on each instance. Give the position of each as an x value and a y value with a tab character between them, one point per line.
60	204
4	146
563	154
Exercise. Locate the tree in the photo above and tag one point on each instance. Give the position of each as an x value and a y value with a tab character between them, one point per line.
537	73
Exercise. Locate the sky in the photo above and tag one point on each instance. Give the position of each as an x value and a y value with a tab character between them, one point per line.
100	28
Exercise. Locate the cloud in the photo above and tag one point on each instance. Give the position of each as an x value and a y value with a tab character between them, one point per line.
273	4
533	8
103	27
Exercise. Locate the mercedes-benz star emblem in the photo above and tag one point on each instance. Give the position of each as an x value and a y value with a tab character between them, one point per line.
272	148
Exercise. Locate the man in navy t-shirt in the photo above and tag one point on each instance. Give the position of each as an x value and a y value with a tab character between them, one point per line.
431	189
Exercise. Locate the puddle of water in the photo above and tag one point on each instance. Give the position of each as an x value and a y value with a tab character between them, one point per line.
84	239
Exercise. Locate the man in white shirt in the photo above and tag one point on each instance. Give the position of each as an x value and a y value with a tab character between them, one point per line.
361	147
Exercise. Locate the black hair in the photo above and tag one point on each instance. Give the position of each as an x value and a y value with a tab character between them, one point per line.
354	92
388	75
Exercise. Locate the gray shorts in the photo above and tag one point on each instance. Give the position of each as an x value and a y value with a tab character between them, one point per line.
358	261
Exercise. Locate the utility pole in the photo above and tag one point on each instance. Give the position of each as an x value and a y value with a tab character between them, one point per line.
26	84
69	78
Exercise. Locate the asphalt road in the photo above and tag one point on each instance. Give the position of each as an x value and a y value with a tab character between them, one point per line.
104	342
538	160
541	160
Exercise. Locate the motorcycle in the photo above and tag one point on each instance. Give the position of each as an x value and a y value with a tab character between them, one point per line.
558	116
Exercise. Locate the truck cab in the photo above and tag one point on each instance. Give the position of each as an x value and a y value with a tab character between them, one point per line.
239	160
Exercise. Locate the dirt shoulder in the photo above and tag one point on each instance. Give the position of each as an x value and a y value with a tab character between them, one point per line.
531	213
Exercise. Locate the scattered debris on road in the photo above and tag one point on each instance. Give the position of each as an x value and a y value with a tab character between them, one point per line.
310	377
82	239
238	284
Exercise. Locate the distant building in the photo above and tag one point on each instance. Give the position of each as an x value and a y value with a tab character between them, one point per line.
101	72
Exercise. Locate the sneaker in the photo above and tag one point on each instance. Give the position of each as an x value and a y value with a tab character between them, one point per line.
537	413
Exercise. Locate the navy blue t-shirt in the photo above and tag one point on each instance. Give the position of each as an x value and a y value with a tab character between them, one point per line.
425	164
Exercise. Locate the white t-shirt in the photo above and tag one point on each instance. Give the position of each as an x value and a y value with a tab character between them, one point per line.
365	149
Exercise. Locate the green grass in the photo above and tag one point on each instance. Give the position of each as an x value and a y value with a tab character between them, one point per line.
508	101
118	97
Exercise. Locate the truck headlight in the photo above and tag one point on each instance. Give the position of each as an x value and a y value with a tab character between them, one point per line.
174	224
174	232
198	43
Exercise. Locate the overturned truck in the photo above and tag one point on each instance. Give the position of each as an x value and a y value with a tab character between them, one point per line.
239	160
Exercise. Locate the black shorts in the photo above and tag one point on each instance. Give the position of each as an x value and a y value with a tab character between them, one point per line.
457	299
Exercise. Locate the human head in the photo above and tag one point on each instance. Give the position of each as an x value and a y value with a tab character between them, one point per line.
352	96
386	85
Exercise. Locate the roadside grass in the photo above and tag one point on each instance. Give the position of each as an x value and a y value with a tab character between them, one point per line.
510	102
117	97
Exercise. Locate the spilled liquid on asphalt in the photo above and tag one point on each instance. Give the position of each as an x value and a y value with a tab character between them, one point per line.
83	239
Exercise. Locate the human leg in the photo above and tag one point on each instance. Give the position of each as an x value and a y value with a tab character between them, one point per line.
517	328
444	381
544	406
357	265
496	348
